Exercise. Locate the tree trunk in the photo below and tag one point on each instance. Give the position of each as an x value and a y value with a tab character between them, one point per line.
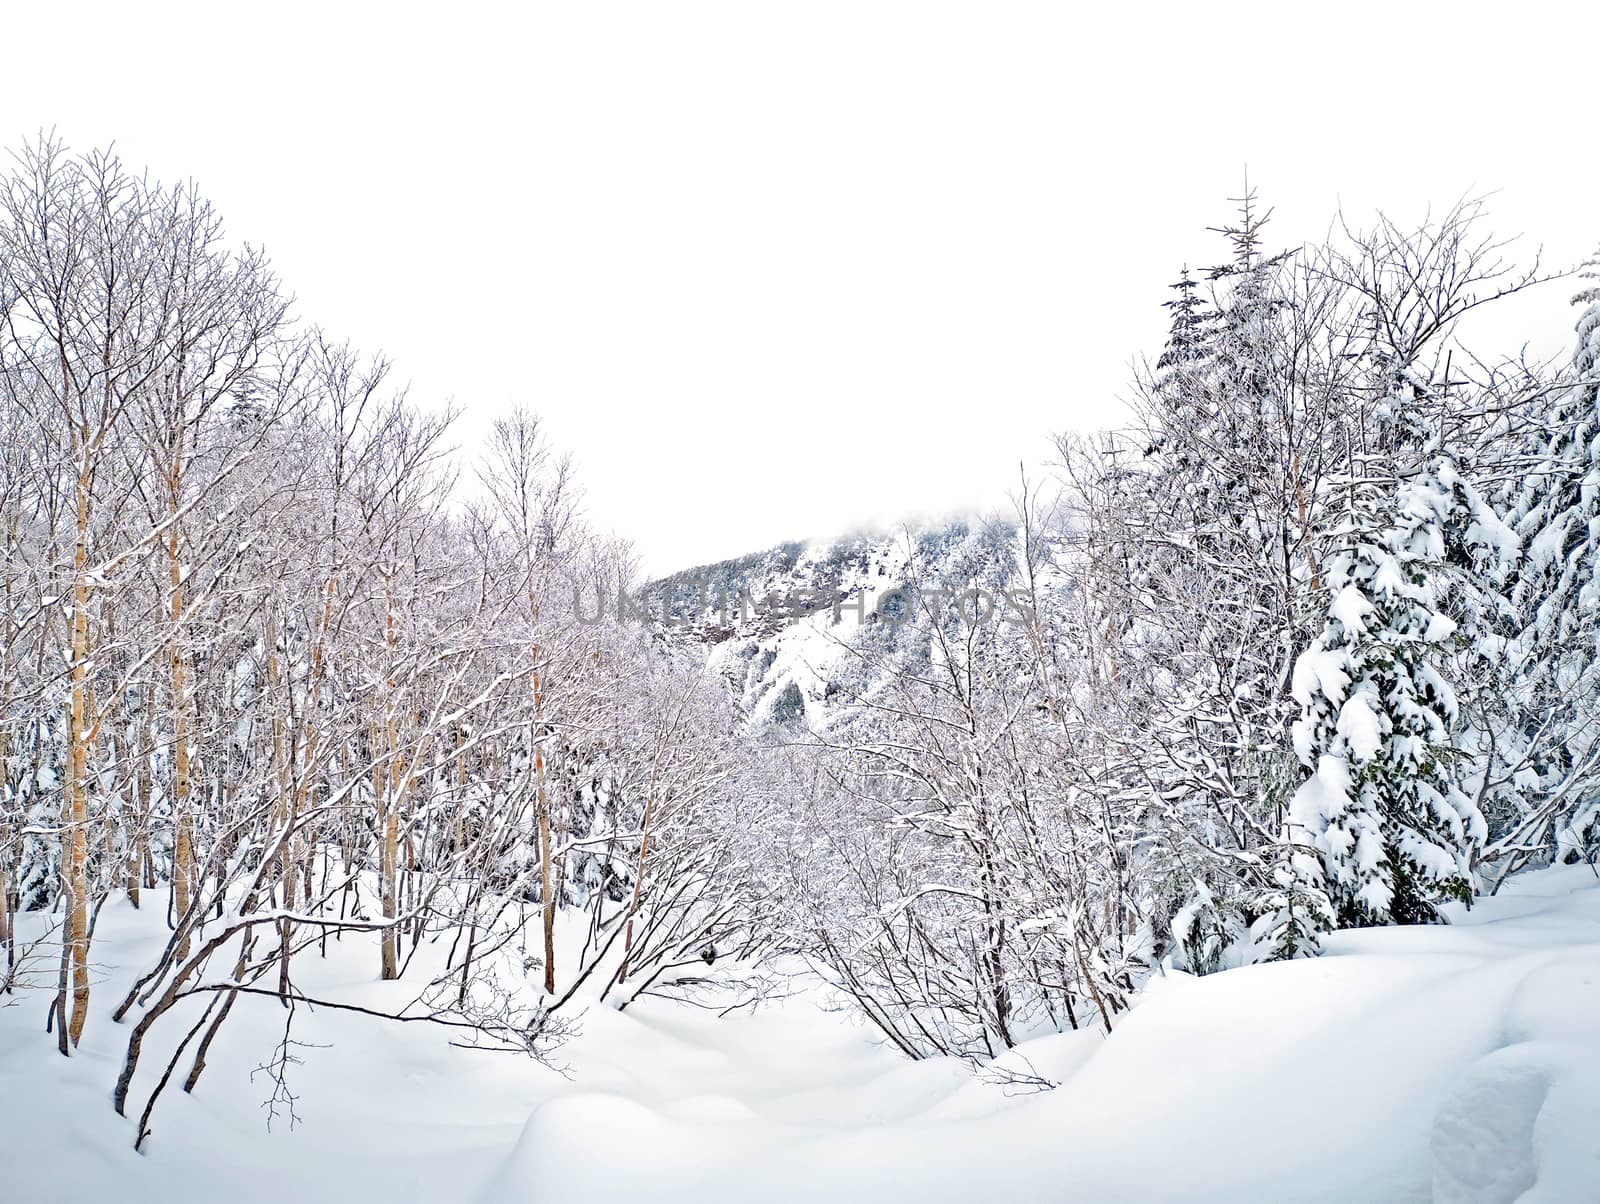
390	780
75	851
546	859
7	937
183	868
638	887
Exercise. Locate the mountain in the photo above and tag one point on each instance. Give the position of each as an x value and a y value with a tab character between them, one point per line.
800	630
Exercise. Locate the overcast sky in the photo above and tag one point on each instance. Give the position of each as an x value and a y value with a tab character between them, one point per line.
776	270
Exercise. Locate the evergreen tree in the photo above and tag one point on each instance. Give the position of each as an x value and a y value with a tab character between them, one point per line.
1295	910
1216	570
1381	806
1189	332
1556	653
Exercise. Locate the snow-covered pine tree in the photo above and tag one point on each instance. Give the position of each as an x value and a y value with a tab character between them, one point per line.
1556	654
1191	318
1204	932
1181	366
1294	912
1216	575
1380	805
1217	380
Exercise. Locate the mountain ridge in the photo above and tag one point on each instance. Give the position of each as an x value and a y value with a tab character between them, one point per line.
789	627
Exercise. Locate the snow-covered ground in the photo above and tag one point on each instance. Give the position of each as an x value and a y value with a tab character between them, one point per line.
1455	1064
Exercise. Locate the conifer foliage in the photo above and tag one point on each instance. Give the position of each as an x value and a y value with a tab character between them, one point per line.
1381	805
1554	686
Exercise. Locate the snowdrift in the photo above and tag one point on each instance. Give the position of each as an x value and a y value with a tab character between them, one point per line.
1456	1064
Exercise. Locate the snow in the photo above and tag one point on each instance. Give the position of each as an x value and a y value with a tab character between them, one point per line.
1440	628
1326	793
1457	1063
1323	670
1389	579
1358	724
1351	608
1547	544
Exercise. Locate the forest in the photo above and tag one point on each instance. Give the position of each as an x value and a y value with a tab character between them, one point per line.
1310	644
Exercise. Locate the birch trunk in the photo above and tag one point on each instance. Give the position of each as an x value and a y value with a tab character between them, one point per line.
75	851
183	867
542	802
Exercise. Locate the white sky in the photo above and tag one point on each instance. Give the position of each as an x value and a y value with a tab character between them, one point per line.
772	270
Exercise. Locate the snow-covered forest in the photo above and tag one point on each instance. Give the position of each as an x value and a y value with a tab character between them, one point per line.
316	721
